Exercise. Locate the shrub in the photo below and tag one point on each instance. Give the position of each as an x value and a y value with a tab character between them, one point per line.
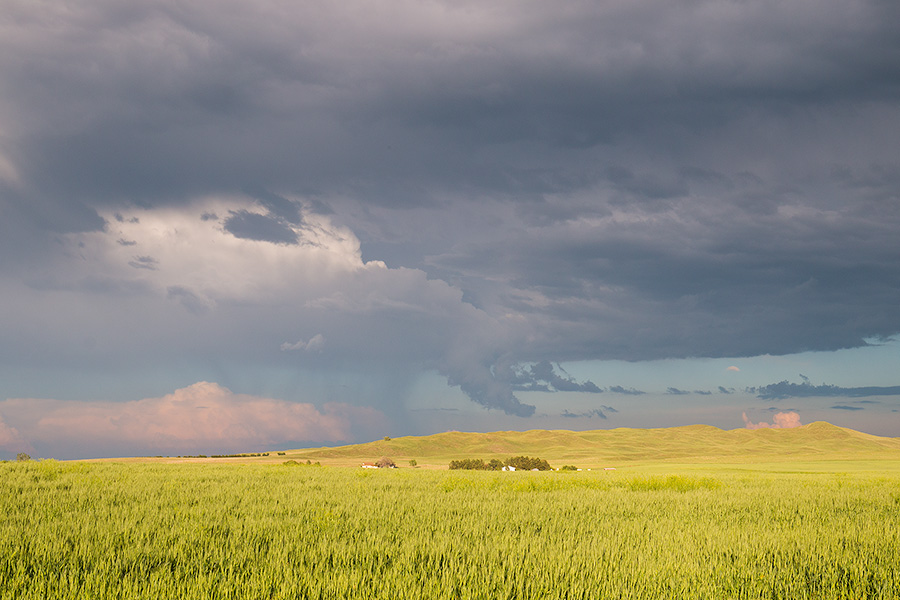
568	468
413	462
22	456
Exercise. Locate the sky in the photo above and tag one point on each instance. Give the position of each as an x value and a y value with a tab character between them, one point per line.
232	226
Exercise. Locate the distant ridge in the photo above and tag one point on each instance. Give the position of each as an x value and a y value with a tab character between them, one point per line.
692	443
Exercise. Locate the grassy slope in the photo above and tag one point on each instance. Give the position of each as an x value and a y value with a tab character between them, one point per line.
818	441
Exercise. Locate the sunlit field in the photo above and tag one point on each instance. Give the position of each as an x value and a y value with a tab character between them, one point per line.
109	530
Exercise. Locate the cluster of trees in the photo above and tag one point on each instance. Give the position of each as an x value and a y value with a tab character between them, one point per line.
524	463
476	464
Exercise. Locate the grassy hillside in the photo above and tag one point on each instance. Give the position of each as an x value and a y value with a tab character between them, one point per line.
818	441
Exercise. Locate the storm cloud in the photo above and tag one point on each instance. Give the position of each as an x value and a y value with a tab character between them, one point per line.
482	190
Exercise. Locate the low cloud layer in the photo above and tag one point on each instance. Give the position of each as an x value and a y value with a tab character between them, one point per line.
589	414
618	389
785	389
781	420
204	417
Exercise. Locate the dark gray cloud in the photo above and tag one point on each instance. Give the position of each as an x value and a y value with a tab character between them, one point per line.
785	389
263	228
676	392
843	407
618	389
596	412
278	206
635	180
542	377
490	393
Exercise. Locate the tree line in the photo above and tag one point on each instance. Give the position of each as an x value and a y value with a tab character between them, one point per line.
521	463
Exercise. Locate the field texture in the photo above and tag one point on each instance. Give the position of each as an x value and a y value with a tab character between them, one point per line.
104	530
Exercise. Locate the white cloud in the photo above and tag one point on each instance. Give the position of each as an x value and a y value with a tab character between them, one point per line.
314	344
179	248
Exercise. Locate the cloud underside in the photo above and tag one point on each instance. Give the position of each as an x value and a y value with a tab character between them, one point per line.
204	417
479	189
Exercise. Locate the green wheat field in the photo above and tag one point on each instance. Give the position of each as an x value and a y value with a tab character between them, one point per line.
808	513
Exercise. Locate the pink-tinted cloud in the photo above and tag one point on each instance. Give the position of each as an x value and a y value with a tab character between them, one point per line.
782	420
201	417
10	440
733	368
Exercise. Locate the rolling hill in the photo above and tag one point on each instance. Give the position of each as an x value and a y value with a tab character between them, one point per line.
819	441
